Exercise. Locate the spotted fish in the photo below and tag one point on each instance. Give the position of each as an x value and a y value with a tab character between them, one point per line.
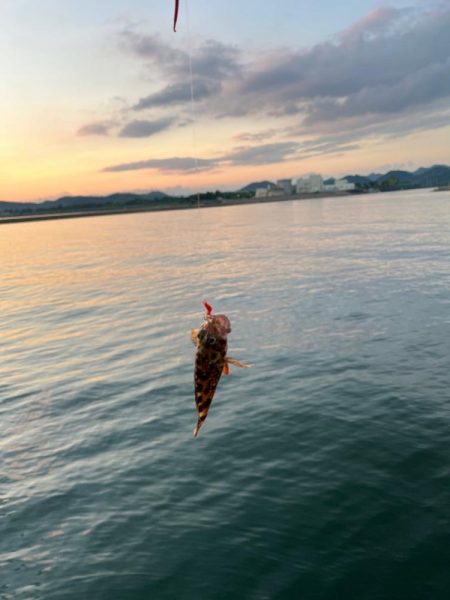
211	360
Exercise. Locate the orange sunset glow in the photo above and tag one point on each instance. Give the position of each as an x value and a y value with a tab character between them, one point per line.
99	101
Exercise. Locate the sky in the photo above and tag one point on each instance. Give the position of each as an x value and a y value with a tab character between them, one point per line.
101	96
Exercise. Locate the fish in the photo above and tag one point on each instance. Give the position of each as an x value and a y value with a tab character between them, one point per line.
211	360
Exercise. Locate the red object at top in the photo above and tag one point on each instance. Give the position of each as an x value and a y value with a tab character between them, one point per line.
208	308
175	16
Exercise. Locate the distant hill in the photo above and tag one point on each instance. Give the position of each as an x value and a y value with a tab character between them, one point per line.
423	177
435	176
395	180
4	206
374	176
438	175
251	187
84	202
116	199
403	176
420	171
358	180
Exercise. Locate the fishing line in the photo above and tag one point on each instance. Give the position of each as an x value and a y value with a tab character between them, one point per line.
193	115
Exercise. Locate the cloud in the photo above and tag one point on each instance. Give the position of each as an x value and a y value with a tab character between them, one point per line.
259	136
139	129
264	154
332	143
98	128
388	61
250	155
336	137
382	21
218	61
179	93
355	64
386	75
166	165
152	48
211	59
212	64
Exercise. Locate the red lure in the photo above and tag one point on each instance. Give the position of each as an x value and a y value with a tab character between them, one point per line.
175	17
208	308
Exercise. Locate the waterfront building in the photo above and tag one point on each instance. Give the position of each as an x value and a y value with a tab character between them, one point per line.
286	185
342	185
276	191
310	185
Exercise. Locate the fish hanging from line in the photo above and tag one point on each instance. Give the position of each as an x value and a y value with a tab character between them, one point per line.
211	360
175	16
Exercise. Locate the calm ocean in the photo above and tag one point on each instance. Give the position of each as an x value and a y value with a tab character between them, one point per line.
323	472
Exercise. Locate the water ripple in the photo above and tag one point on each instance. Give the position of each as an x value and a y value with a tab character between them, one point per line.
322	472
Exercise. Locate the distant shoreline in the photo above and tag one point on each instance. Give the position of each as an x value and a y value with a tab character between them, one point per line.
51	216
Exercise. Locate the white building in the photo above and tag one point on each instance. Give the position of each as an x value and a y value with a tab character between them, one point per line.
286	185
276	191
269	192
310	185
342	185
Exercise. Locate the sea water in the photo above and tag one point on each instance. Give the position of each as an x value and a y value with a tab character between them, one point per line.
321	473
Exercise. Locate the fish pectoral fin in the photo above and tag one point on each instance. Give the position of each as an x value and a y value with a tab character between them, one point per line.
194	336
232	361
237	363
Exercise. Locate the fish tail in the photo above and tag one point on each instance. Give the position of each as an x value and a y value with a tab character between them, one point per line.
197	427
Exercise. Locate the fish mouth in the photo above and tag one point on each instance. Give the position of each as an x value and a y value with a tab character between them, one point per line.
223	324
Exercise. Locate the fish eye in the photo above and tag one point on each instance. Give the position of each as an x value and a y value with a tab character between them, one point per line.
211	339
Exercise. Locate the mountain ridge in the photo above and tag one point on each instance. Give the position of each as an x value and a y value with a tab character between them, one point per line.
435	176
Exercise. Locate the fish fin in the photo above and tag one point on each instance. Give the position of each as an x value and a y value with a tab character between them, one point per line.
194	336
237	363
226	368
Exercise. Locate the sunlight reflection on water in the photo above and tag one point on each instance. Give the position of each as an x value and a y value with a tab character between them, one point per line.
323	466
